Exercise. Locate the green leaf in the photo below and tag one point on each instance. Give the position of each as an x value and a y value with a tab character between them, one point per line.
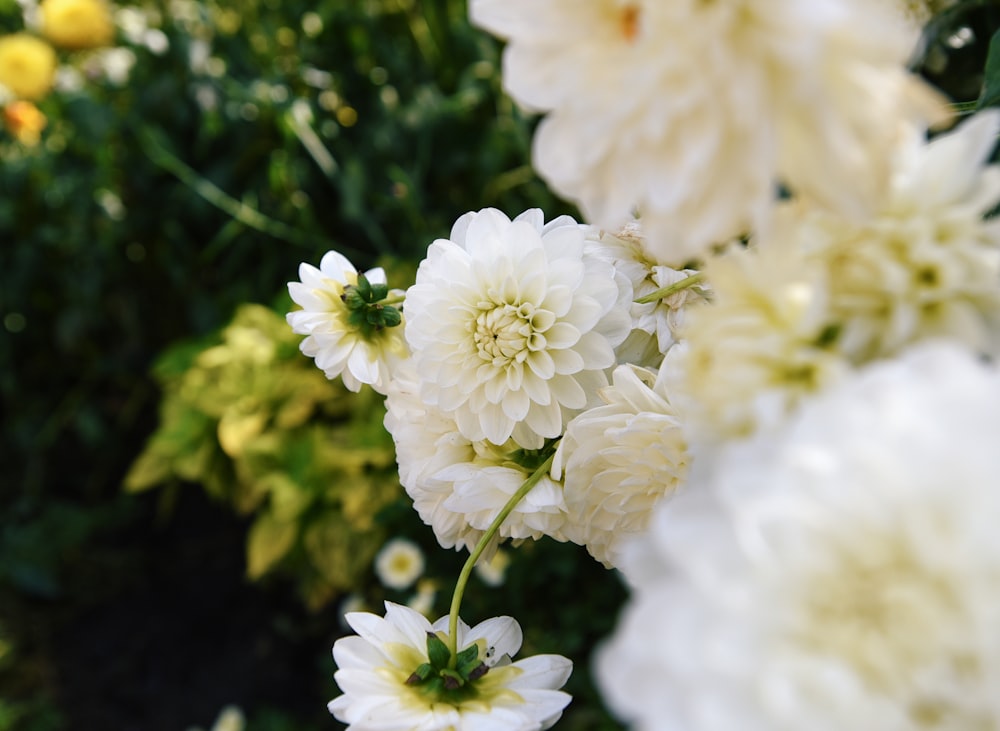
990	95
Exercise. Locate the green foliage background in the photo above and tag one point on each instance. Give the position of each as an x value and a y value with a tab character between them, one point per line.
154	227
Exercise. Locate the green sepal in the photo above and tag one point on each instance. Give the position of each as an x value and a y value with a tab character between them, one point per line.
391	316
420	674
467	660
379	292
452	679
437	651
364	288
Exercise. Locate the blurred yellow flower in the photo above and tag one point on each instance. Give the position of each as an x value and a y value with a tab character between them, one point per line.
77	24
27	65
24	121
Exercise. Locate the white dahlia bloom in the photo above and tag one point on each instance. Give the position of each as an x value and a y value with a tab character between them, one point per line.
399	563
512	325
655	325
843	572
360	354
621	460
459	486
928	263
392	680
692	111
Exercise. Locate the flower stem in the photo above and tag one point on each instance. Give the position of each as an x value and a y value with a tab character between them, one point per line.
671	289
463	577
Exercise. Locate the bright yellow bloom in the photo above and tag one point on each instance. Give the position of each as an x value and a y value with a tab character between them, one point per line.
24	121
77	24
27	65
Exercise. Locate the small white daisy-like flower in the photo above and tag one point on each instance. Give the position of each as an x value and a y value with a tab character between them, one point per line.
842	571
692	112
621	460
423	599
399	563
458	486
348	331
512	325
398	675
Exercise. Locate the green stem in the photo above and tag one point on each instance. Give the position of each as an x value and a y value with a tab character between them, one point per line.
463	578
674	288
393	300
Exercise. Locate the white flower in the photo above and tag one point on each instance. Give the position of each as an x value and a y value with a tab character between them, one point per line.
359	353
512	325
655	325
692	111
843	572
621	460
494	571
379	674
399	563
427	442
423	599
458	486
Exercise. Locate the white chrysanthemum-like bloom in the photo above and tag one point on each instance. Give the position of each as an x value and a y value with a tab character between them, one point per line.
399	563
928	263
380	668
841	573
458	486
752	353
621	460
360	355
512	325
655	325
820	294
692	111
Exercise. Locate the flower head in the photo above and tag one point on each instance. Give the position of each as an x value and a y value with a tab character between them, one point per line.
621	460
24	121
844	569
77	24
512	325
27	65
399	563
459	486
693	111
349	330
398	674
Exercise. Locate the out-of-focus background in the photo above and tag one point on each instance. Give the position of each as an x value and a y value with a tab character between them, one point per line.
187	506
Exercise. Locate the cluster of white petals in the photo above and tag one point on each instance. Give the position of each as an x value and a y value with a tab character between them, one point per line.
655	325
459	486
842	572
374	667
692	112
339	347
621	460
512	325
818	294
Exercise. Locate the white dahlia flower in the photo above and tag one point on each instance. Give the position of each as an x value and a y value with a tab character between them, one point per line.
512	325
344	342
621	460
655	325
692	111
459	486
395	676
843	572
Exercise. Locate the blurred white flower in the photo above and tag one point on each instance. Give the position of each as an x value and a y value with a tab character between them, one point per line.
340	334
844	569
621	460
458	486
394	677
399	563
512	325
494	571
692	112
423	599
